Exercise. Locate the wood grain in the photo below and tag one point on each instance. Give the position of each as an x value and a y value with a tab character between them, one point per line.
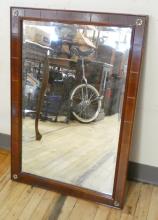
21	201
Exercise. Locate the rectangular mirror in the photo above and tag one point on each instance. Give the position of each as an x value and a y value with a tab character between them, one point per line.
81	103
77	83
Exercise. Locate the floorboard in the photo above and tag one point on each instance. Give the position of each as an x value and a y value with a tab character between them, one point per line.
22	202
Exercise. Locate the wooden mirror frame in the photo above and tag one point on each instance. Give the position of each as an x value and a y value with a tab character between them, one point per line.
138	25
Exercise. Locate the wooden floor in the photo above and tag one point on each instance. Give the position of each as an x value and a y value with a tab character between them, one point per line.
24	202
76	153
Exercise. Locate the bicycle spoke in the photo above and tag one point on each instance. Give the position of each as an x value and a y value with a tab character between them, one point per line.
94	100
92	95
81	110
82	94
77	96
87	111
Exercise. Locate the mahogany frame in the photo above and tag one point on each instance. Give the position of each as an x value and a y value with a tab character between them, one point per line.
138	24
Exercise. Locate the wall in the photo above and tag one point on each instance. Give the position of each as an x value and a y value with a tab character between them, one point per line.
144	144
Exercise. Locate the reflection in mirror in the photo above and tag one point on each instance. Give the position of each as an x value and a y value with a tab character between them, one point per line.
73	89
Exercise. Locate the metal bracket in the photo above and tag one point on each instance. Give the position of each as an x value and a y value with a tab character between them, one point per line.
17	12
116	204
15	176
139	22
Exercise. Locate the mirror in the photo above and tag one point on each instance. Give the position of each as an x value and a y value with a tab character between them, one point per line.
74	79
73	89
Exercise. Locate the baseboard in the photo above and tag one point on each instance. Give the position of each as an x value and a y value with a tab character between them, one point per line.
5	141
143	173
136	171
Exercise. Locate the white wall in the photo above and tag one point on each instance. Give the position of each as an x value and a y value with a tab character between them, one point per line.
145	137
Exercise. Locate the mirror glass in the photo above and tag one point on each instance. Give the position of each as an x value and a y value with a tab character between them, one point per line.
73	87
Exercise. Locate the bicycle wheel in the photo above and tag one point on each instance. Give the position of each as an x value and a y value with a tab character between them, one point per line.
85	103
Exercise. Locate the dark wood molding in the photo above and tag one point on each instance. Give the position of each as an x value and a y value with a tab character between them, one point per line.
138	24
